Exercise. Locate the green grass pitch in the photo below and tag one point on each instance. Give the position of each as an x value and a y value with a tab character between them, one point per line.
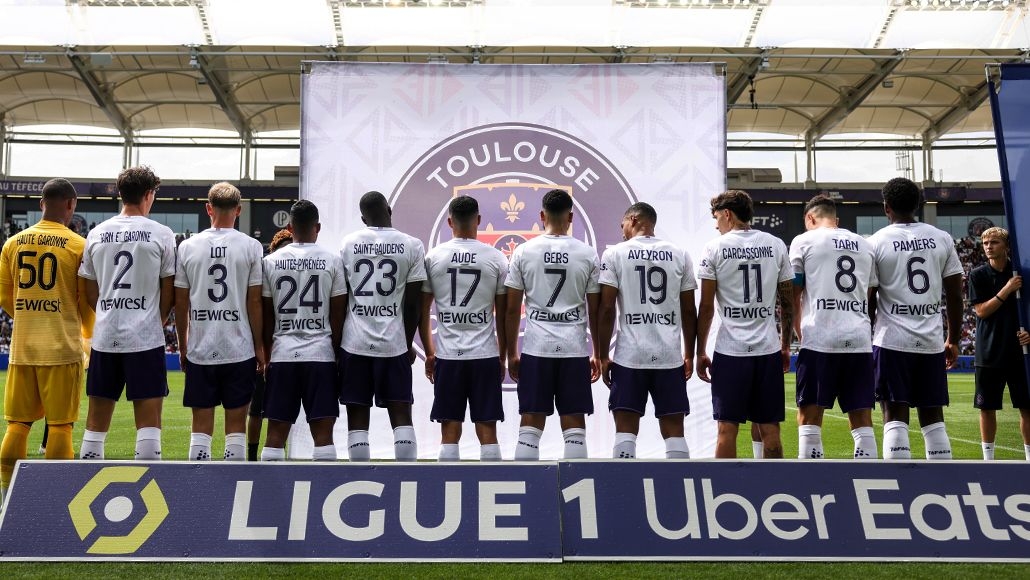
963	429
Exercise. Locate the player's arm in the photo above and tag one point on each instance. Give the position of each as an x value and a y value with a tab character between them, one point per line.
268	325
86	313
953	305
257	324
799	287
92	292
705	313
872	305
425	332
337	315
167	297
593	304
500	318
605	329
6	284
688	315
785	295
512	315
182	322
411	308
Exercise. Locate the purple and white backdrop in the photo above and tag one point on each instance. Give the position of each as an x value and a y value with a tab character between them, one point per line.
505	134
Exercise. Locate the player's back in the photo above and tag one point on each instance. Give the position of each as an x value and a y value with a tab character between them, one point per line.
747	266
838	269
555	273
128	256
911	261
41	263
300	279
650	274
218	265
379	263
465	276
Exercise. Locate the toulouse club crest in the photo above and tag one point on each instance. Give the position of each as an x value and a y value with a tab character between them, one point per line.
507	168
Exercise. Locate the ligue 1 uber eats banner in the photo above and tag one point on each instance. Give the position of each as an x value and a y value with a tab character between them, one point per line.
544	511
611	135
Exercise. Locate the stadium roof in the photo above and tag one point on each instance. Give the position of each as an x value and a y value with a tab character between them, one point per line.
801	68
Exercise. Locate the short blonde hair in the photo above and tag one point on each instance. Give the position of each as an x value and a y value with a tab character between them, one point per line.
996	233
223	195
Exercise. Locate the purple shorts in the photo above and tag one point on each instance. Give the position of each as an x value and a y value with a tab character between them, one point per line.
548	383
367	378
748	388
291	384
825	377
142	374
476	382
667	387
916	379
230	385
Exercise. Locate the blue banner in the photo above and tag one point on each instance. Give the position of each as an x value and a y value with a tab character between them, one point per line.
795	510
1010	105
280	511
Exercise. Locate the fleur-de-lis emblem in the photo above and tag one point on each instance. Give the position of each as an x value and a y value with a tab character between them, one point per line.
512	207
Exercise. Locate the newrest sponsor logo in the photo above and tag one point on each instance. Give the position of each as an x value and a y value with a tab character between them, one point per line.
682	510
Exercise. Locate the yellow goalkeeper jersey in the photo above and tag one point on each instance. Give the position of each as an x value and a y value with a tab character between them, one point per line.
40	288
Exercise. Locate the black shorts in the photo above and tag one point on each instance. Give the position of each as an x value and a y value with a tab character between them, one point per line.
991	381
230	385
142	374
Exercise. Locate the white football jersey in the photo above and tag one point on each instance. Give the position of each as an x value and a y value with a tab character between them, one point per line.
747	266
911	262
555	273
379	264
837	265
128	256
300	279
650	274
465	277
218	265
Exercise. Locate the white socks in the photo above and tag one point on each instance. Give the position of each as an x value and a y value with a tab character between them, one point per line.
528	446
324	453
490	452
200	447
758	449
357	446
575	443
988	449
405	448
676	448
810	442
895	441
937	444
92	445
273	454
865	443
235	447
1026	451
625	446
148	444
449	452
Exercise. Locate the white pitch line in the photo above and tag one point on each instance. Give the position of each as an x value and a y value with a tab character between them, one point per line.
977	443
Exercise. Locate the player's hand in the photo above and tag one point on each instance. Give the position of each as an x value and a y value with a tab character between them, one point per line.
704	366
785	355
606	371
1023	337
182	361
688	368
950	355
513	368
262	360
1014	283
431	367
411	355
595	369
504	369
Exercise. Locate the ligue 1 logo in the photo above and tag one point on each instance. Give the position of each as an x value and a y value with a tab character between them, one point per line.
507	168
